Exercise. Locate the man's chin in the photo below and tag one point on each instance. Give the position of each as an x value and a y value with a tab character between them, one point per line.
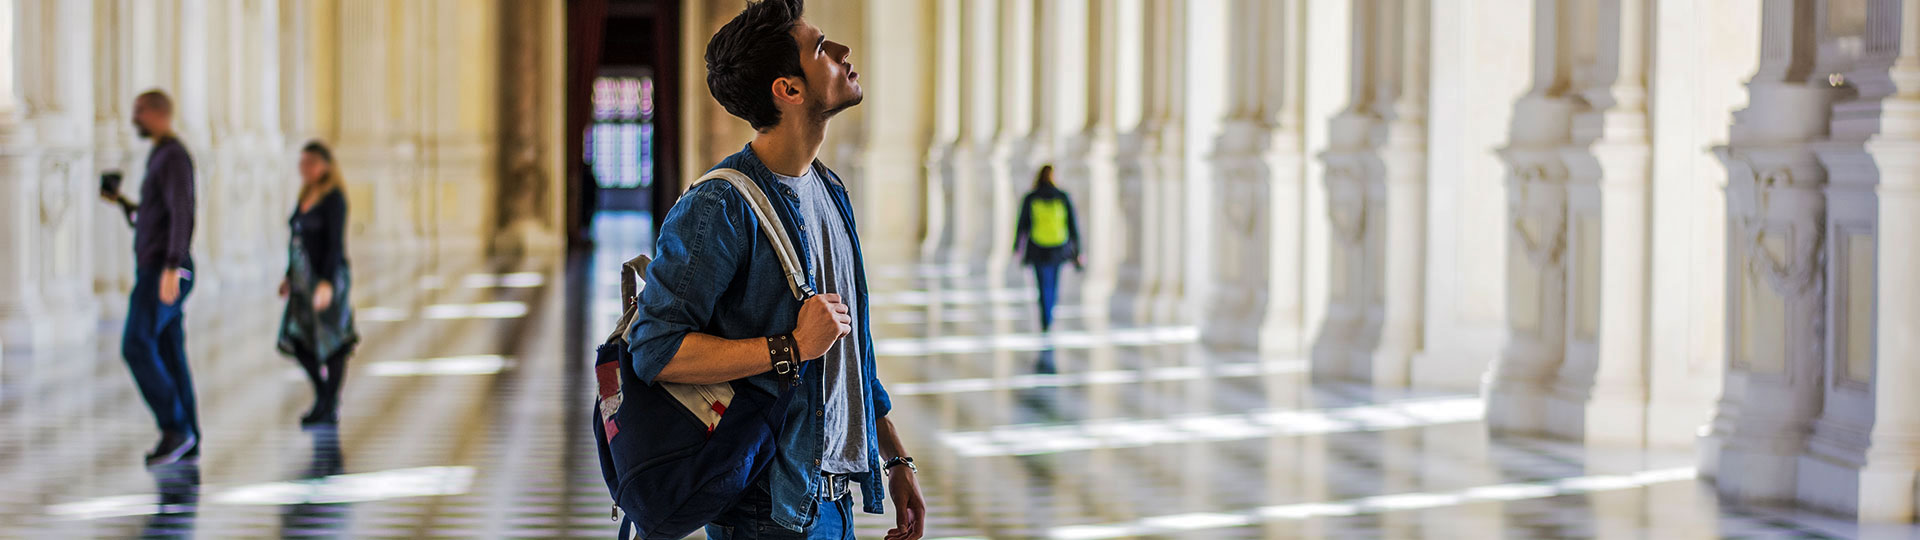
848	104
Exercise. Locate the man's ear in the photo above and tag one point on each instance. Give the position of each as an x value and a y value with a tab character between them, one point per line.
788	90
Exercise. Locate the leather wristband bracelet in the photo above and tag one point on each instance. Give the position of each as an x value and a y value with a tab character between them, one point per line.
783	352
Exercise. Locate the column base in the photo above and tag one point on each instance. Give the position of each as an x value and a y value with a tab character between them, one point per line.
1128	305
1332	355
1233	321
1749	472
1831	486
1516	408
1885	492
1597	418
1516	392
1677	431
1169	309
1282	338
48	328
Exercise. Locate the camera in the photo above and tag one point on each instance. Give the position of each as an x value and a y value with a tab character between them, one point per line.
110	182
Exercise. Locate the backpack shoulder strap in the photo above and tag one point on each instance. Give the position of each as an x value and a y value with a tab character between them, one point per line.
630	274
770	225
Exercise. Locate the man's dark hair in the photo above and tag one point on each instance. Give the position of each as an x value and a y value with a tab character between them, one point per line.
749	53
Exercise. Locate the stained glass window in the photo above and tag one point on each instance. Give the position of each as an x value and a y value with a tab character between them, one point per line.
620	141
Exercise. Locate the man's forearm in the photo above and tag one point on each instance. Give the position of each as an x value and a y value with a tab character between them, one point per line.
890	446
706	359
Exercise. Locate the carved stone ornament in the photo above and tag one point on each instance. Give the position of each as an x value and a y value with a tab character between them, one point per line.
56	193
1539	216
1798	268
1244	199
1347	203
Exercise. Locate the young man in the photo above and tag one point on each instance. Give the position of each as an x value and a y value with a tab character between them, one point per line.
716	296
154	342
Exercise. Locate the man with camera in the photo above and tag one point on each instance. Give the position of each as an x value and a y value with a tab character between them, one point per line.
154	341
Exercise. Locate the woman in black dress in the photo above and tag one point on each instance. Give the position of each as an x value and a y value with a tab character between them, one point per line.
317	328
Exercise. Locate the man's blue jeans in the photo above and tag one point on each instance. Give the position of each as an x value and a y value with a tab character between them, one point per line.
155	347
1048	276
752	519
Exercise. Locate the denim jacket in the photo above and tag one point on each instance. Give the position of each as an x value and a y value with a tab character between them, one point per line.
715	273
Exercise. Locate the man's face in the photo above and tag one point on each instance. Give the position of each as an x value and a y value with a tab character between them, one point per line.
141	115
832	85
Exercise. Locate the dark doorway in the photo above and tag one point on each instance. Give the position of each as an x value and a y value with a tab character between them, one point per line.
623	111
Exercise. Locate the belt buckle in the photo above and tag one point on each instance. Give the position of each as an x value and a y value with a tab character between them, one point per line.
837	487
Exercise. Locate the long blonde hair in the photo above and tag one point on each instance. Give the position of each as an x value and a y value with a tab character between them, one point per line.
328	182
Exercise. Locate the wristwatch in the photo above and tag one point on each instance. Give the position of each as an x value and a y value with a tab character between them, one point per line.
902	460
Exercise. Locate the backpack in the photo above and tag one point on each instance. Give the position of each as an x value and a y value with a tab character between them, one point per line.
676	456
1049	226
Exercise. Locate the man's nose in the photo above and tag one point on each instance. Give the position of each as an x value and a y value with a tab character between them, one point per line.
837	51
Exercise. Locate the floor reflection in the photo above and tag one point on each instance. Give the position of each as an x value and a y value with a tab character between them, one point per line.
178	486
459	417
310	518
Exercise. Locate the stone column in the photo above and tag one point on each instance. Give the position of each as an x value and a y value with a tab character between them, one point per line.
1479	62
115	148
1864	454
368	147
1376	188
1600	396
899	122
1087	158
1166	186
943	203
1520	379
974	178
1775	287
531	186
47	181
1134	220
1013	151
1258	148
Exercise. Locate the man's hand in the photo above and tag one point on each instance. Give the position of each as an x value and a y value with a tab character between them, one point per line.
322	296
824	319
285	288
169	286
910	511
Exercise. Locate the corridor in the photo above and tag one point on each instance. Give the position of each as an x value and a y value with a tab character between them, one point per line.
464	419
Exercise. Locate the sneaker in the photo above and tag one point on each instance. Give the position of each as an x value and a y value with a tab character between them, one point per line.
320	418
172	448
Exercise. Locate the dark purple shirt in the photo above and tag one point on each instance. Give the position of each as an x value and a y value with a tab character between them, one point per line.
163	224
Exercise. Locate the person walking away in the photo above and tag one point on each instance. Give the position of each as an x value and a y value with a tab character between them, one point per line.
317	326
717	306
154	341
1048	236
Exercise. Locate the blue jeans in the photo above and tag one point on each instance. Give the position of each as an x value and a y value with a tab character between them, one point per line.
752	519
1048	276
155	347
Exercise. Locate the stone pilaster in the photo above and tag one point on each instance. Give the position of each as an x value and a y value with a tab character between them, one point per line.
1600	396
1864	454
1258	149
1376	189
48	189
1776	292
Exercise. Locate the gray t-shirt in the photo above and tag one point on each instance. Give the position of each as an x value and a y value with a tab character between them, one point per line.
830	254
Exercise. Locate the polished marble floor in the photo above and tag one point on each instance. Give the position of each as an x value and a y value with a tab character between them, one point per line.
461	406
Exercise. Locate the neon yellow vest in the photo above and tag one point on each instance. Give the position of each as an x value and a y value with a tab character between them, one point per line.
1049	222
